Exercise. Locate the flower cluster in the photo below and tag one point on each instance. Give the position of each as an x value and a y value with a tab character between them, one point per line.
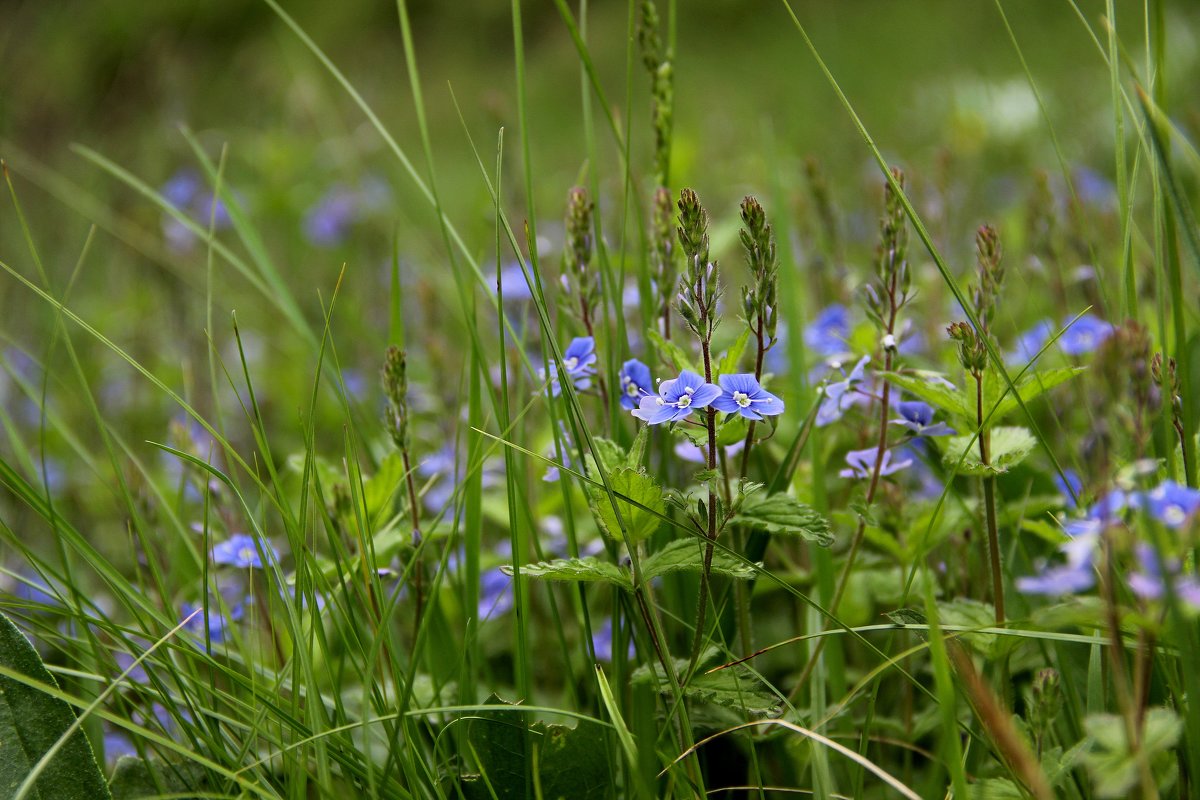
1169	504
737	394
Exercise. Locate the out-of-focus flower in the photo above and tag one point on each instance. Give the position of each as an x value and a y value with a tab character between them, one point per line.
1085	335
826	335
1148	582
495	596
1070	488
240	551
862	463
579	361
1030	343
1171	504
327	221
602	642
840	395
917	417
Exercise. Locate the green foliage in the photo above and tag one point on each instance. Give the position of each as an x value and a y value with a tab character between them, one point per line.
32	721
672	352
734	687
1112	763
687	555
784	514
571	762
641	521
588	569
1009	447
141	779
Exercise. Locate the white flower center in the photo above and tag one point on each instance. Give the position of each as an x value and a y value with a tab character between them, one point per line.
685	400
742	399
1173	515
631	388
246	554
570	363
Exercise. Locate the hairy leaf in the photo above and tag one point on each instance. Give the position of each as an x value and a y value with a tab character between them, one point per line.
781	513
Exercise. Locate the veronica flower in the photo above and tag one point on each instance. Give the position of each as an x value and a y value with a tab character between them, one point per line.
862	463
636	383
240	551
327	221
676	399
1077	575
495	597
741	394
451	472
602	642
917	418
218	625
1170	503
1149	585
1030	343
579	361
839	396
1085	335
829	330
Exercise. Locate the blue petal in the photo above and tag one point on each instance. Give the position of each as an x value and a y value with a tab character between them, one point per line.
741	382
705	395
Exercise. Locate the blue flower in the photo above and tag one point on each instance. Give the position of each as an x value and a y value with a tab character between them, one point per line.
676	399
862	463
741	394
327	221
1071	488
827	333
1085	335
451	472
917	418
495	596
1030	343
579	361
636	382
181	188
218	625
1149	584
602	642
840	395
1170	503
240	551
1067	579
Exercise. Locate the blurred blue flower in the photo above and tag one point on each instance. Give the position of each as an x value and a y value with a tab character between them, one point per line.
450	472
1171	504
636	382
240	551
602	642
862	463
826	335
181	188
676	399
1148	583
917	418
741	394
1030	343
495	596
185	192
686	451
839	396
328	220
1093	188
218	625
1085	335
516	290
116	744
579	361
1066	579
1071	488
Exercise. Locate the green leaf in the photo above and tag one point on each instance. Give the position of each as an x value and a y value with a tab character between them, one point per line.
966	613
729	362
929	386
1009	447
687	555
1032	386
571	762
379	492
32	721
733	687
611	454
781	513
637	486
673	352
588	569
135	778
637	450
732	430
1111	762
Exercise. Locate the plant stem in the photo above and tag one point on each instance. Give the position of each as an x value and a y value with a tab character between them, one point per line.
711	533
989	505
415	510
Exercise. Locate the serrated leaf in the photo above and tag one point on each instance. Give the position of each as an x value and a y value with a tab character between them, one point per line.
706	475
1009	447
781	513
588	569
687	555
728	363
673	352
734	687
966	613
571	762
1030	387
32	721
931	388
1110	759
638	486
611	454
637	450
